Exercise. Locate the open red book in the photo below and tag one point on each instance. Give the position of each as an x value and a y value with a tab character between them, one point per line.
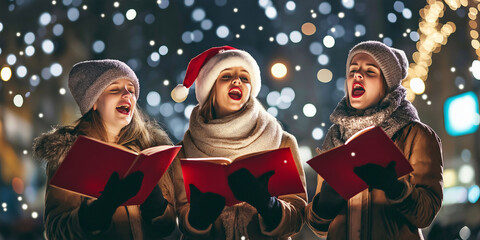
211	174
90	163
370	145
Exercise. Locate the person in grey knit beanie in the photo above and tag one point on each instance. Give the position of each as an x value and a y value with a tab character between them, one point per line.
88	79
106	92
392	62
393	206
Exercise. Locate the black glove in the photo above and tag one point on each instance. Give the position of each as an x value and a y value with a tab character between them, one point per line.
381	178
254	191
204	208
328	203
98	214
154	205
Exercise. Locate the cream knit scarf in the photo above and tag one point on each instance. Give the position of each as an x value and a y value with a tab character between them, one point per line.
250	130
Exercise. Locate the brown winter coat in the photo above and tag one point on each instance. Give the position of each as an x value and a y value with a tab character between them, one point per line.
293	206
61	207
415	209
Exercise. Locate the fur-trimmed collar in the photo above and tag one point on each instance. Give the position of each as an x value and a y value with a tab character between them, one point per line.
52	146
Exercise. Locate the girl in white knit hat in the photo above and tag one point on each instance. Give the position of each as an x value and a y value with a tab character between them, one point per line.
229	121
394	208
106	92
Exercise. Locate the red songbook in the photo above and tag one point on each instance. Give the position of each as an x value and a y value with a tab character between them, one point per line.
370	145
90	163
211	174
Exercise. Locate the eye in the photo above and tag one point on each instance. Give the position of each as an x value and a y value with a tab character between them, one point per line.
244	79
226	76
131	90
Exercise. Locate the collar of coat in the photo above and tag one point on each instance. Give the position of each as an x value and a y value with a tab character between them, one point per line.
50	147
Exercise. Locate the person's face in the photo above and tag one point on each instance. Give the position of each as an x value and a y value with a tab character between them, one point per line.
116	104
365	84
232	91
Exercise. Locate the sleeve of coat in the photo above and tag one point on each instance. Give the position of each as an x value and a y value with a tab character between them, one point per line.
317	224
183	206
165	224
61	214
422	200
293	205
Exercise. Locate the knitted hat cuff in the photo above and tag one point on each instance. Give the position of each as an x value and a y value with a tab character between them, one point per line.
92	94
392	62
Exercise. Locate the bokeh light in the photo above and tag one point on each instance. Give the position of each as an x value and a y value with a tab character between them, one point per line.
324	75
279	70
6	73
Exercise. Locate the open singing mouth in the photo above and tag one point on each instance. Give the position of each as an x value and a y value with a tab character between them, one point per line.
124	108
357	90
235	93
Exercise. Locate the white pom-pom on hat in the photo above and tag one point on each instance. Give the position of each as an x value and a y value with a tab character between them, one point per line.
179	93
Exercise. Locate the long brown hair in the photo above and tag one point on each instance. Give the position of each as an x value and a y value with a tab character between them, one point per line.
207	110
134	136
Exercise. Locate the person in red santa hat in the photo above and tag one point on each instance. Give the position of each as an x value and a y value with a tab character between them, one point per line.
229	121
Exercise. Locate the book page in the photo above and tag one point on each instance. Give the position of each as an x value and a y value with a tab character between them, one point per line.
359	133
152	150
248	155
111	144
216	160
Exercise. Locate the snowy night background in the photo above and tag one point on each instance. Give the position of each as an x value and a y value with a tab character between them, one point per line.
300	46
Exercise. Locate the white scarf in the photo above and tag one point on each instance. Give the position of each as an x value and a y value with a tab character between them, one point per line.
250	130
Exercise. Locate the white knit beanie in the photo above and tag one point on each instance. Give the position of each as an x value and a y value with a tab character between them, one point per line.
392	62
87	80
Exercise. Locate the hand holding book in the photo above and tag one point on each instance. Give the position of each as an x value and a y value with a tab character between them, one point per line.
204	208
328	203
98	214
369	151
383	178
254	191
154	205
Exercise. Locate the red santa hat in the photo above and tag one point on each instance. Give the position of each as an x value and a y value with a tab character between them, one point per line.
205	68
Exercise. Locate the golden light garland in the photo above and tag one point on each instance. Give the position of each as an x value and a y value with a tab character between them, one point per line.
432	35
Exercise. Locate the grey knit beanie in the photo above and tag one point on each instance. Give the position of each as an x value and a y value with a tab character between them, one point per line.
88	80
393	62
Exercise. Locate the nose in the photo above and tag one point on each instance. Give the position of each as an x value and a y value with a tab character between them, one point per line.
357	75
126	93
236	81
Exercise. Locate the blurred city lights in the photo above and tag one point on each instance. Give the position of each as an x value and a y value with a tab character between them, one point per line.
461	114
324	75
279	70
466	174
308	28
6	73
417	86
473	194
449	177
18	100
309	110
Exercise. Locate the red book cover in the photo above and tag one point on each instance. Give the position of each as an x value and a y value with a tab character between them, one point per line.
211	174
89	164
370	145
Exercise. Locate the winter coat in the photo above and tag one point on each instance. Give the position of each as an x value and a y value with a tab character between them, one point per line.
243	214
61	206
383	218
